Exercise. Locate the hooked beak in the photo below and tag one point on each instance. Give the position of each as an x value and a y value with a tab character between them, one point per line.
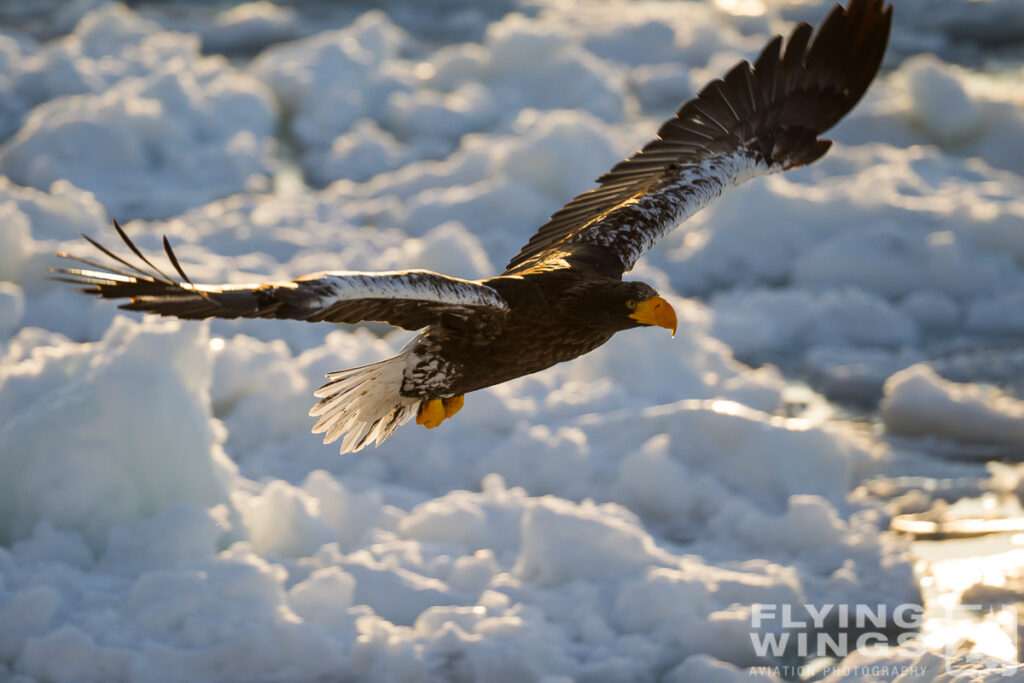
656	311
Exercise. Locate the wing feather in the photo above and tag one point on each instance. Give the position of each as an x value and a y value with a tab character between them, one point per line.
411	299
756	120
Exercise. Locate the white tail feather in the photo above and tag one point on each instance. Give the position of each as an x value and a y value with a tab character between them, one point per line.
363	403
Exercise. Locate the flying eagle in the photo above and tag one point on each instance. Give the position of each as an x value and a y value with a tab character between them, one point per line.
562	295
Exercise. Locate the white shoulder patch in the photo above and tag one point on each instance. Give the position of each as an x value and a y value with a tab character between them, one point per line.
633	227
409	285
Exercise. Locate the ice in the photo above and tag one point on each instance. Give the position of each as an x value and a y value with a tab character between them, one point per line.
145	113
931	309
61	212
562	541
167	516
69	652
175	536
250	27
113	459
658	86
933	103
920	402
331	80
15	242
896	263
525	57
711	670
855	374
766	321
939	102
1001	313
282	521
12	307
359	154
398	595
12	108
324	597
105	46
454	521
27	613
337	81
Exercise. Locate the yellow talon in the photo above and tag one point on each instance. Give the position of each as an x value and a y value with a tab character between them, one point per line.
431	413
453	405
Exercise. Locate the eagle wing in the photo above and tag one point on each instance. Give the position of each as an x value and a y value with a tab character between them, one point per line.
410	299
757	120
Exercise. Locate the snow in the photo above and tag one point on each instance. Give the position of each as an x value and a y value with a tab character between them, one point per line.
136	116
164	512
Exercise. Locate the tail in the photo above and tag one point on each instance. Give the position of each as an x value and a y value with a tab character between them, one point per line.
364	404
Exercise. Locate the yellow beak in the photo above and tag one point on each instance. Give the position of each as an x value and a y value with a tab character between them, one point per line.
656	311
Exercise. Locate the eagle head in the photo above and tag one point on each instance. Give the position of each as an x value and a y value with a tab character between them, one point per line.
614	305
646	307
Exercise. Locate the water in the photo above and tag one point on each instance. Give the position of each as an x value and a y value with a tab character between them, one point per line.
957	615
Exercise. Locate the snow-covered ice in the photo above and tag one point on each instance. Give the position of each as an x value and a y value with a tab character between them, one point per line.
165	513
138	117
918	401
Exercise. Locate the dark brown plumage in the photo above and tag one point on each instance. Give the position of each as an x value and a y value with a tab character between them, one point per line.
562	295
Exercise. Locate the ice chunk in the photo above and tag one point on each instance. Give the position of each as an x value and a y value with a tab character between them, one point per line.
894	261
999	314
249	27
452	519
135	436
12	307
939	101
15	241
331	80
707	669
27	613
178	535
324	597
359	154
61	212
49	544
759	322
67	653
855	374
562	541
919	402
284	520
188	132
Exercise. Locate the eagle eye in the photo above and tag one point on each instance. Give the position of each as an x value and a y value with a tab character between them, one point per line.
631	304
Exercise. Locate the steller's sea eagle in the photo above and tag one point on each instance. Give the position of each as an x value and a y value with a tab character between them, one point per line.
562	295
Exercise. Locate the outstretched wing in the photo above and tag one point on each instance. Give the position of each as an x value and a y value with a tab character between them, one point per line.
759	119
410	298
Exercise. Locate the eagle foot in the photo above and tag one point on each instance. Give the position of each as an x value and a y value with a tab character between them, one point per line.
453	405
435	411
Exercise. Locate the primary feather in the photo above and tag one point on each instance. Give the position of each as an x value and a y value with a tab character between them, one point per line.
410	299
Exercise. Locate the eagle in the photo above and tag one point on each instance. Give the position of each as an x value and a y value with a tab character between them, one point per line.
563	294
